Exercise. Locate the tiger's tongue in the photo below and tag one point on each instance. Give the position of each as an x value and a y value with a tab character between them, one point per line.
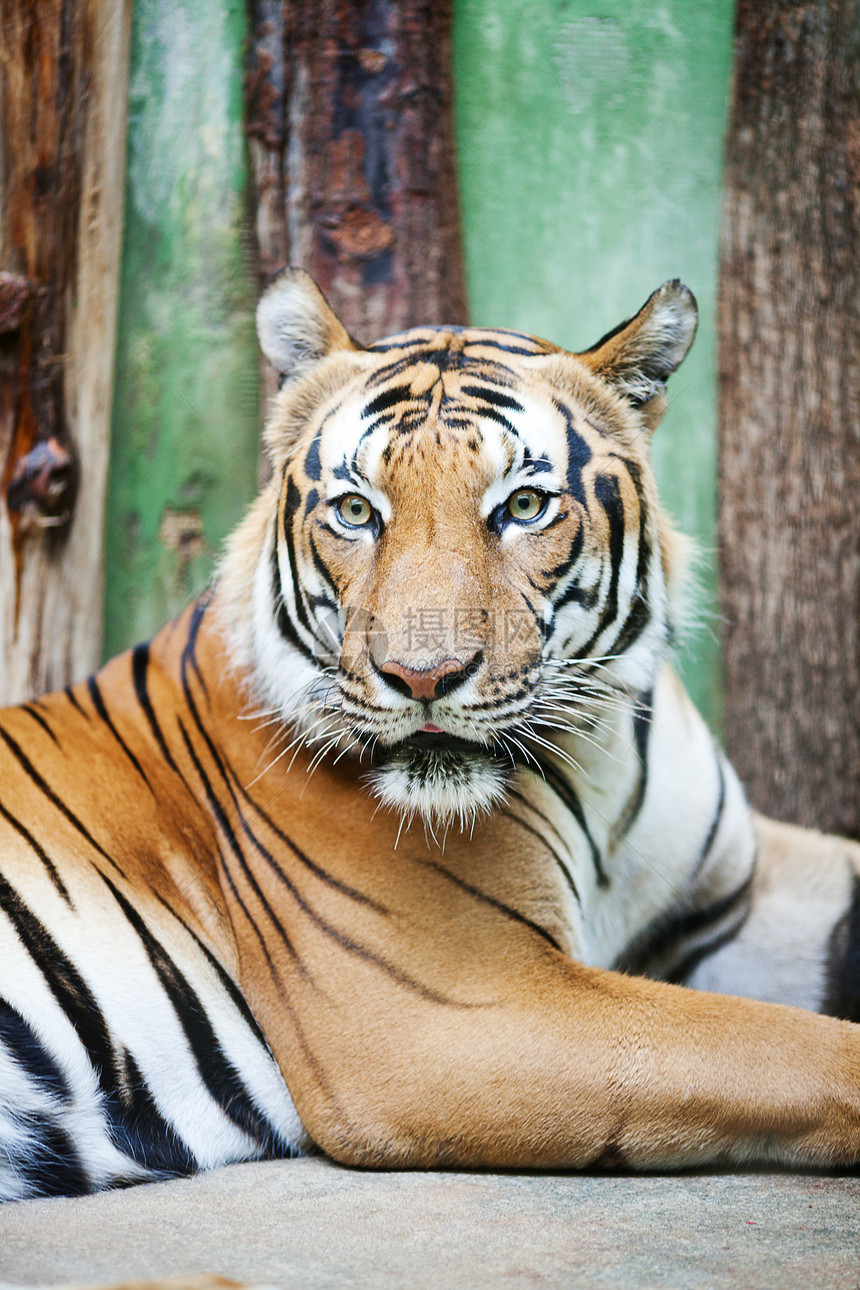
430	729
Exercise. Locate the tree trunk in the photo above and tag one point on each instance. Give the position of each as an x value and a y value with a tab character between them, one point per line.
351	135
790	411
62	144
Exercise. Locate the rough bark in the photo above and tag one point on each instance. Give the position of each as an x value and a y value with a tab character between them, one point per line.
351	136
790	411
63	70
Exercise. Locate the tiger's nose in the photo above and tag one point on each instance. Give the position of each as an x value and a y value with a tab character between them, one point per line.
431	682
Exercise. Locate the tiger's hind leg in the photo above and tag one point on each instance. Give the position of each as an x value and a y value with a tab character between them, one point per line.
800	941
54	1137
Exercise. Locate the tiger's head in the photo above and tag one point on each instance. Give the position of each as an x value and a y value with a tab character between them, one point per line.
461	545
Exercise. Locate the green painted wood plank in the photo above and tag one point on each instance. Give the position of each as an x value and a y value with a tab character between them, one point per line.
590	150
186	415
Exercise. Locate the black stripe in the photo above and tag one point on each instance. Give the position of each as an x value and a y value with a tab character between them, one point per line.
542	816
70	695
139	672
466	421
842	993
313	466
715	821
65	983
264	949
321	524
695	920
40	720
487	343
321	567
328	929
538	346
642	715
578	455
229	985
189	654
564	566
335	883
293	502
608	494
50	1163
40	852
30	1053
227	832
568	796
387	399
139	1129
486	394
99	705
399	343
536	833
29	769
665	932
540	466
688	965
484	899
639	613
218	1073
323	601
282	618
587	597
227	775
492	705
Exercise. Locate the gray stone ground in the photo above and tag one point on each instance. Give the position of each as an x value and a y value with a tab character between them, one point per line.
309	1223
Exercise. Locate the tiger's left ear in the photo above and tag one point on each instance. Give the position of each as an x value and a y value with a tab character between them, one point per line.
296	325
637	357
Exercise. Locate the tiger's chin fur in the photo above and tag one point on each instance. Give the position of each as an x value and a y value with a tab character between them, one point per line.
445	786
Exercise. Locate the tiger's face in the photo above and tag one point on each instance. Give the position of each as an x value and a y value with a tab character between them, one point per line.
464	548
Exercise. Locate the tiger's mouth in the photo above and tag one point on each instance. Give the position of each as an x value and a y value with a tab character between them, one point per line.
441	777
439	741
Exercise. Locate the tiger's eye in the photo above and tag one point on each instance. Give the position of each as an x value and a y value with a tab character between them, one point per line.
355	510
526	504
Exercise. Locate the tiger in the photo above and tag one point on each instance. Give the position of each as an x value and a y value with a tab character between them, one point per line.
404	842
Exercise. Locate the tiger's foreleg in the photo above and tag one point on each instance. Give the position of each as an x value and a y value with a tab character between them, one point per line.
800	941
495	1050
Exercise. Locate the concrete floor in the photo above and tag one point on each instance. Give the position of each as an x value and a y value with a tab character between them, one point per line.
309	1223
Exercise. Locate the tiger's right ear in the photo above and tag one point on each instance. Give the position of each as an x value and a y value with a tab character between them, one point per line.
296	324
638	357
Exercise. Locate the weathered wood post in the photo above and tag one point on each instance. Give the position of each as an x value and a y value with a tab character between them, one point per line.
63	75
790	410
351	135
186	406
